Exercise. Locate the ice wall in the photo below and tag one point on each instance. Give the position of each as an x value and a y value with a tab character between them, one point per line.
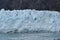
29	21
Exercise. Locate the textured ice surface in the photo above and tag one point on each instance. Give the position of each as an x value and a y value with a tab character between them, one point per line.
29	21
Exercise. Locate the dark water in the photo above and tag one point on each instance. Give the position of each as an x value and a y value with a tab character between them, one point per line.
29	36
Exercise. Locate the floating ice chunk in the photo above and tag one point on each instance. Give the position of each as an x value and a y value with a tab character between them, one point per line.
29	21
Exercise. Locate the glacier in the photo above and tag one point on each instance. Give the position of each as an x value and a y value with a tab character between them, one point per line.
29	21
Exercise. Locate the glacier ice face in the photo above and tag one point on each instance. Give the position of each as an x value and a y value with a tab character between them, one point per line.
29	20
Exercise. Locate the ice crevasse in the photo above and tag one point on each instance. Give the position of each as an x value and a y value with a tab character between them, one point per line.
29	20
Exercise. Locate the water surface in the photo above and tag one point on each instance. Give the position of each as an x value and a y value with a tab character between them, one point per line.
29	36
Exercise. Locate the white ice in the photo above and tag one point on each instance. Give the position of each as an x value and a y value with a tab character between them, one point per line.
29	20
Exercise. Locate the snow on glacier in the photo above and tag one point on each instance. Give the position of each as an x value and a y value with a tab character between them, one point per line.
29	20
